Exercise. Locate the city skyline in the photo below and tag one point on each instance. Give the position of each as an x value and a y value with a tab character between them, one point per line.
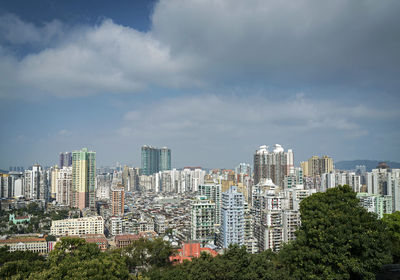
317	78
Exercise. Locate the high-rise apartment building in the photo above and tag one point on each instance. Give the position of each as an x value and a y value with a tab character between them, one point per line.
378	204
53	184
65	159
385	182
202	220
273	165
243	168
63	183
294	178
6	186
232	227
213	192
165	159
83	178
117	200
393	187
36	183
17	186
316	166
150	160
155	160
377	181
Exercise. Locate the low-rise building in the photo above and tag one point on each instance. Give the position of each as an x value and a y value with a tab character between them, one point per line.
125	240
19	220
99	239
33	244
87	225
189	251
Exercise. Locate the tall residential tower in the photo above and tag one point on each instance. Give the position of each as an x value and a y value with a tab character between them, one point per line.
155	160
273	165
232	227
83	178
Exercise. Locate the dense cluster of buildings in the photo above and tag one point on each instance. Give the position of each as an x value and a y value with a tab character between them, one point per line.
257	206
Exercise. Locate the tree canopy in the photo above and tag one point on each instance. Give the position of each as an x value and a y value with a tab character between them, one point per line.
338	239
392	222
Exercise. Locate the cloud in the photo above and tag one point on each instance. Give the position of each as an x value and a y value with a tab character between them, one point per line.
203	44
351	43
192	117
107	58
212	129
15	31
64	132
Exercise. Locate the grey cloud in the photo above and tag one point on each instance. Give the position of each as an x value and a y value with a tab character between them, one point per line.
192	44
15	31
353	43
229	127
193	116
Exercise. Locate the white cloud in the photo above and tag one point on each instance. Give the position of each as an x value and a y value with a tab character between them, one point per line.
64	132
108	58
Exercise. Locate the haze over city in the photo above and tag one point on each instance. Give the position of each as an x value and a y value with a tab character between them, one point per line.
212	80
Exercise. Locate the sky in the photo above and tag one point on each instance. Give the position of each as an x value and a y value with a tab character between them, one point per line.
211	79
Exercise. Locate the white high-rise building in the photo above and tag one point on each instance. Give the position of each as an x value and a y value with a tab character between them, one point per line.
63	183
377	181
394	188
273	165
103	186
232	227
36	183
276	213
291	223
334	179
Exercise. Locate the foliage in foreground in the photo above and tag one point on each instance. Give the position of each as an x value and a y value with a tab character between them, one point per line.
338	239
392	222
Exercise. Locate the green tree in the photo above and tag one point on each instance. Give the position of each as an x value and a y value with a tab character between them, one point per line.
19	264
144	254
392	222
234	264
73	258
338	239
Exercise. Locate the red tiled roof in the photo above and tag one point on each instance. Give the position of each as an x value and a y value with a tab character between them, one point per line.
26	239
189	251
22	217
127	237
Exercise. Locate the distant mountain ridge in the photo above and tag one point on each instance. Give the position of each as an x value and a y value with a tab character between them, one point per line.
369	164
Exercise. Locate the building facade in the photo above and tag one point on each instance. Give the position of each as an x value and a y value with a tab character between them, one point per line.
273	165
83	178
232	227
79	226
202	220
118	200
65	159
155	160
